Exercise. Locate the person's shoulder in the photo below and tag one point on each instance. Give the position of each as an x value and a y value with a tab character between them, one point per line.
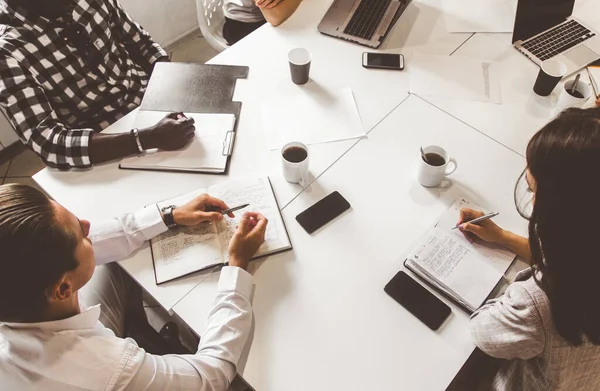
530	293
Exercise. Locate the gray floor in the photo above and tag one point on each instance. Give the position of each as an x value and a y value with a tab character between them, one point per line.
22	164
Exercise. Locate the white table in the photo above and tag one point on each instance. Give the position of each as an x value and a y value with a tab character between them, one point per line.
522	112
322	319
107	191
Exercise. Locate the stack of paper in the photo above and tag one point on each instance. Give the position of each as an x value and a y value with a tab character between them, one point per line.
480	16
312	116
205	153
454	77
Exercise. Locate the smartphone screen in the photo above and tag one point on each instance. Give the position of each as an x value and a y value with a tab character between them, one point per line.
423	304
323	212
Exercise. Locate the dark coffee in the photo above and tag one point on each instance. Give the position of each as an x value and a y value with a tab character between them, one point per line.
575	94
295	154
433	159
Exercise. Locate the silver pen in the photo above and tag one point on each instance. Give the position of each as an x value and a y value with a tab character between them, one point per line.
479	219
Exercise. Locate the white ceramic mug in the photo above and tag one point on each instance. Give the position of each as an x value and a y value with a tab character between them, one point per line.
431	176
295	172
566	100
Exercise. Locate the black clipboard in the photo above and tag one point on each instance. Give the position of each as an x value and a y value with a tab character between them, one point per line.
195	88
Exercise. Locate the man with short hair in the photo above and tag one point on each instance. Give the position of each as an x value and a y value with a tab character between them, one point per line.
62	316
70	68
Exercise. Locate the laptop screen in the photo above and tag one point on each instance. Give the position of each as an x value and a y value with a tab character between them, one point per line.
535	16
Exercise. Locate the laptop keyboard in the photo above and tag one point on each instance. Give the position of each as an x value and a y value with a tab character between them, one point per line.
558	40
366	18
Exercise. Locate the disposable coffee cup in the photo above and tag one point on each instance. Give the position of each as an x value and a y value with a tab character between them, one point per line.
549	75
300	60
567	99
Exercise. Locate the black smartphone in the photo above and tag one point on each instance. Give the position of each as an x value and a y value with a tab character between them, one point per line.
323	212
383	61
423	304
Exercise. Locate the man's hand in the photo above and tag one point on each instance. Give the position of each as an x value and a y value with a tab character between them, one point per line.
267	3
247	239
200	209
173	132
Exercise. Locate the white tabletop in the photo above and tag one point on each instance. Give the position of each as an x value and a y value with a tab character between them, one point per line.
106	191
522	112
322	320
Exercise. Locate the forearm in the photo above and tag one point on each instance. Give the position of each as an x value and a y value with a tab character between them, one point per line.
517	244
281	12
106	147
115	239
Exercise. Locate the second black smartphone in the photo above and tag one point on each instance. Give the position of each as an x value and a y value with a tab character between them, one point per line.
323	212
418	300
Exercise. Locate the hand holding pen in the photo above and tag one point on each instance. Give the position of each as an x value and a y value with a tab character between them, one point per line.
476	224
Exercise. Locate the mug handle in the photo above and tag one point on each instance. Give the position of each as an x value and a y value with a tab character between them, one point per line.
304	179
451	162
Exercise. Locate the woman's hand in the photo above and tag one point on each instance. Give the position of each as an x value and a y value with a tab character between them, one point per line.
486	230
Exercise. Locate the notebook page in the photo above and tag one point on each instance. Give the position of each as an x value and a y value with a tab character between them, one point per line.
259	194
456	266
204	152
498	257
185	250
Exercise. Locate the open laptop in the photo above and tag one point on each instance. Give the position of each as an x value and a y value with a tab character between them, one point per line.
365	22
545	29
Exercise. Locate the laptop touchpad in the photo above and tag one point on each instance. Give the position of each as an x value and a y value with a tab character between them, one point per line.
581	55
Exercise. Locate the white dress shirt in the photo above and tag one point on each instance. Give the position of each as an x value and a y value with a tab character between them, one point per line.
79	353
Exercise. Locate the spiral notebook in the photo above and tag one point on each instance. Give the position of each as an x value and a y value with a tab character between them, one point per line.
465	272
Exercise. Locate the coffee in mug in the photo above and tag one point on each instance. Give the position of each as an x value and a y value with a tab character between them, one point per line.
434	159
435	166
294	163
295	154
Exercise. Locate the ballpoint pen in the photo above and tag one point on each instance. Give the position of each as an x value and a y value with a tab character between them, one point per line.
593	82
235	208
479	219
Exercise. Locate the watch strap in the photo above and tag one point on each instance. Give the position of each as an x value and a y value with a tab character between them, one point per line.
167	212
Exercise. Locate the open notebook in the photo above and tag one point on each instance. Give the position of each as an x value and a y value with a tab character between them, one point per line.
465	272
186	250
207	152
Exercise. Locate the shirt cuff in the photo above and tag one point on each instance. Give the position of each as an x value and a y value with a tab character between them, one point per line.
150	222
237	280
155	53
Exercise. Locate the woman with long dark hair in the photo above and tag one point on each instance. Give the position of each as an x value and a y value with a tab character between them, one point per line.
547	326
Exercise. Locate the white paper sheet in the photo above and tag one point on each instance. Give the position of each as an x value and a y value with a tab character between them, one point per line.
496	256
454	77
205	152
480	16
312	116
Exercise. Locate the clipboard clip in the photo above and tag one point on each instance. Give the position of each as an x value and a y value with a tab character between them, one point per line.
228	143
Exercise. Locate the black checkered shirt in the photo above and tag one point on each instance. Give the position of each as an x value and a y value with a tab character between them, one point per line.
54	94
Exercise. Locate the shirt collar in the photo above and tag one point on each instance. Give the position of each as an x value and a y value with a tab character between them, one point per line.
86	319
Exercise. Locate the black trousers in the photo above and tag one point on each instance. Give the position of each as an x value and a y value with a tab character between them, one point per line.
234	30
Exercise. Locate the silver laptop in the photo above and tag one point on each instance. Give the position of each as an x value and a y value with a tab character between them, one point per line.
365	22
543	31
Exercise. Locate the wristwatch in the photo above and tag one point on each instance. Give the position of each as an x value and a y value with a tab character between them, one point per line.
167	212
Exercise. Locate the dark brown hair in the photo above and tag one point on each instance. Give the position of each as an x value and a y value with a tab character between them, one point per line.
564	226
35	252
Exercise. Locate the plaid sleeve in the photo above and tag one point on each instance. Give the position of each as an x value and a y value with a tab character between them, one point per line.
135	34
30	113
